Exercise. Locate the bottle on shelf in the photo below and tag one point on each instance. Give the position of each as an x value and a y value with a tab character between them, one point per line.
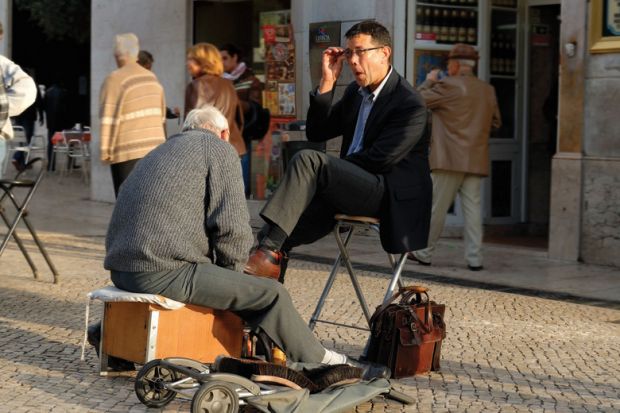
501	54
453	29
444	27
462	27
426	21
247	349
419	17
435	26
511	52
494	58
472	28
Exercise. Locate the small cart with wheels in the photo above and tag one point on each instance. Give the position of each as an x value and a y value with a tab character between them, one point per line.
161	380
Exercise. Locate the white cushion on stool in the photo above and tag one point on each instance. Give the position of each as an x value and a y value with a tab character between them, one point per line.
116	294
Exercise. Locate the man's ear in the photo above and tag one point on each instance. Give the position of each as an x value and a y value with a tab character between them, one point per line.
387	51
225	135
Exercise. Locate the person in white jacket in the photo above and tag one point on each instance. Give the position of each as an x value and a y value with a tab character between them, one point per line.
17	92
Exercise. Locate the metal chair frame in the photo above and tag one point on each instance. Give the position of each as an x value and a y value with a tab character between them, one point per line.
7	186
349	224
79	149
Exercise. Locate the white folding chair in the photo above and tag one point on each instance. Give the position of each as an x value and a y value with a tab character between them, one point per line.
78	149
349	224
19	143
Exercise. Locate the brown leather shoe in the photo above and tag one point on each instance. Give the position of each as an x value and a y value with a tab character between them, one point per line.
264	263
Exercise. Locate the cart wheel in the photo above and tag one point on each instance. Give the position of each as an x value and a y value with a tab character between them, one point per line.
215	397
150	384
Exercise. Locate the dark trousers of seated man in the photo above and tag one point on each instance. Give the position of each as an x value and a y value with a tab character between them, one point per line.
261	302
314	188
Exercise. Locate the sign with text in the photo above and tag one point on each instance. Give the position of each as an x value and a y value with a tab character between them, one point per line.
322	36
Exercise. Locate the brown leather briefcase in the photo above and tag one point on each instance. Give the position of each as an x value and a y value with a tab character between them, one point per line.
407	336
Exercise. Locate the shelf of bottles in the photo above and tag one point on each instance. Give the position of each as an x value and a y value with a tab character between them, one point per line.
446	22
503	62
504	3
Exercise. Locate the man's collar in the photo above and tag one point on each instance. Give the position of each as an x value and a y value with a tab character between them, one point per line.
365	92
236	73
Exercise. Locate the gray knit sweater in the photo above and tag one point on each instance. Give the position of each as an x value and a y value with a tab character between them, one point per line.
183	203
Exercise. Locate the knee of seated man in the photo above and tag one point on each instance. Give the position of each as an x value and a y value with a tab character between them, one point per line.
309	158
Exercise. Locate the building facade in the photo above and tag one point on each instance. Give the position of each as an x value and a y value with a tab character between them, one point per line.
555	166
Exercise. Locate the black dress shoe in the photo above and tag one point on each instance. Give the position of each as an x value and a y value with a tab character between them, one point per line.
412	257
371	370
475	267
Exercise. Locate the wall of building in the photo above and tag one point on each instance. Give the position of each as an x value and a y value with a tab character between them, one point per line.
6	7
566	168
163	27
600	240
348	12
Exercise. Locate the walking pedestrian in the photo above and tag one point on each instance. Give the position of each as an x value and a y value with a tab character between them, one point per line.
464	109
132	111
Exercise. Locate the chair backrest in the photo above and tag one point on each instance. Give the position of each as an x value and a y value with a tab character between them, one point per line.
77	147
72	134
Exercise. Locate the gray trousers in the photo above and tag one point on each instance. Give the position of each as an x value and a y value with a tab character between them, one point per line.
261	302
314	188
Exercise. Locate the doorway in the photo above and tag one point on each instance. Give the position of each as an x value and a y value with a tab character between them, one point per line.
55	50
542	60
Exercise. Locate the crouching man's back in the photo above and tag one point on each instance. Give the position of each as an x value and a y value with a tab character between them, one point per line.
183	203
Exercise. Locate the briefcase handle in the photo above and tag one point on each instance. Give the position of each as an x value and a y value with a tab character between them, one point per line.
407	293
418	289
407	300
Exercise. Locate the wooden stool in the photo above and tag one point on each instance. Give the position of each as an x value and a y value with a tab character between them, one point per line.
142	331
349	222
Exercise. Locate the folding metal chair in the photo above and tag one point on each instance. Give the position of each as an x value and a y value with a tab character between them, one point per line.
349	224
8	187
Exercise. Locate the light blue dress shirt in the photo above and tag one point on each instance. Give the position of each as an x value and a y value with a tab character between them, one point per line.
368	100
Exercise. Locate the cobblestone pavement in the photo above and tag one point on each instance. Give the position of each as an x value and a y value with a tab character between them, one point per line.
504	352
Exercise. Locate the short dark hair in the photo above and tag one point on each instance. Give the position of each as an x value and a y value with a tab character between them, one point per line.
231	49
380	35
145	57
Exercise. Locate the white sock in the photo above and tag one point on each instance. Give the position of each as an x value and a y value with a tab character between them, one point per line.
332	357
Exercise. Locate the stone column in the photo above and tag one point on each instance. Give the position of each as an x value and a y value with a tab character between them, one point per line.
163	27
6	18
567	164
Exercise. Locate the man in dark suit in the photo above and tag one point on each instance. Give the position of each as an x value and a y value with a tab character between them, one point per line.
383	168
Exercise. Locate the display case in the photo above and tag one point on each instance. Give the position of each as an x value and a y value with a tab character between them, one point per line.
438	25
503	63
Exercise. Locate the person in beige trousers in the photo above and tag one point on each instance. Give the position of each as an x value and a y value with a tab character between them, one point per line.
464	109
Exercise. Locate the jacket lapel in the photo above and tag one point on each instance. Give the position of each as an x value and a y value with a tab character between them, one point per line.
381	103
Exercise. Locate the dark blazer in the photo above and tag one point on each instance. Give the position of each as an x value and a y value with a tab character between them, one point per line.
395	145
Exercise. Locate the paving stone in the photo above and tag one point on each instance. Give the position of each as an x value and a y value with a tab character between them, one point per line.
503	351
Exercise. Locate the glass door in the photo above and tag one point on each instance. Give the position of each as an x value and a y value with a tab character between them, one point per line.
503	188
434	26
